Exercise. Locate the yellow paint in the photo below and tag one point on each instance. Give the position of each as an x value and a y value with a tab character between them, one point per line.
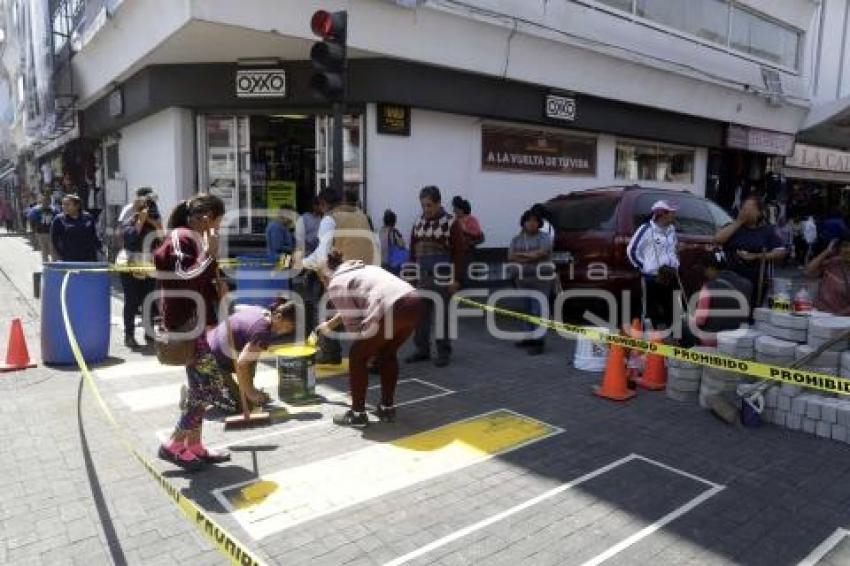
327	370
292	350
253	494
488	434
318	488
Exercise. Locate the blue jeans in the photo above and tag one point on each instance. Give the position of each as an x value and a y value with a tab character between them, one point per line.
532	307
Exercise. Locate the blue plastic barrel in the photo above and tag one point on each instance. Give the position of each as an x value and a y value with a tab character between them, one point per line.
88	301
257	280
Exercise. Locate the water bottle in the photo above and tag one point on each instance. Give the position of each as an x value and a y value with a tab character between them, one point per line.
802	300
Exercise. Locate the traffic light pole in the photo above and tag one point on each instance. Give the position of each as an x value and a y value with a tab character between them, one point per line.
338	166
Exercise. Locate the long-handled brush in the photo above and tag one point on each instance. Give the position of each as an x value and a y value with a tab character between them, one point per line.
728	412
248	418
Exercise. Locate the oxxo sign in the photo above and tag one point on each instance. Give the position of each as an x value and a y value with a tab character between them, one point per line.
260	83
560	107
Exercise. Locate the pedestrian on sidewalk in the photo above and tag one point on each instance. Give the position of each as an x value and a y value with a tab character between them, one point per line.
530	249
346	228
279	239
187	262
472	231
381	311
41	217
751	246
810	235
393	251
73	232
654	251
140	236
832	266
7	217
437	249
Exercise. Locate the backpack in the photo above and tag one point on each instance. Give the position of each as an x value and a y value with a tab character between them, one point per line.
397	254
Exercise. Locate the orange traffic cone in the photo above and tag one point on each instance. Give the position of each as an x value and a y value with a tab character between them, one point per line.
17	356
614	384
654	371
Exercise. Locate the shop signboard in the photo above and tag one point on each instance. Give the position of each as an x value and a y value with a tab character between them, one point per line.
759	141
819	158
278	194
260	83
394	119
560	107
535	151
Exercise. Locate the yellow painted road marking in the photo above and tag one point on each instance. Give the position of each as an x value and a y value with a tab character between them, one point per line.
283	499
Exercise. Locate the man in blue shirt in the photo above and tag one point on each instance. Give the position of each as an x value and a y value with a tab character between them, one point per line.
73	232
751	246
279	239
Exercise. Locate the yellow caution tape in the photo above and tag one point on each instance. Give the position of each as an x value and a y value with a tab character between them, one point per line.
226	543
799	377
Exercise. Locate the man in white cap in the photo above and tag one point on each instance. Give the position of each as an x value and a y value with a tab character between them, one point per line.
653	251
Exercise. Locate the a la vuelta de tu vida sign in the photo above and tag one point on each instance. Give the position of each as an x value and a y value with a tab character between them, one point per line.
260	83
821	158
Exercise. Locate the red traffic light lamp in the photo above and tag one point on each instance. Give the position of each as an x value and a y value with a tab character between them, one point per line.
329	25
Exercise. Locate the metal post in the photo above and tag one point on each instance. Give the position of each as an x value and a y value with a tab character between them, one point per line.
337	166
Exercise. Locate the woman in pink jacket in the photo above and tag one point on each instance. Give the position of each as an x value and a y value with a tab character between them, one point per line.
381	312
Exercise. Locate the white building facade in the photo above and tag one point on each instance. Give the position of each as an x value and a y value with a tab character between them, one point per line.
503	102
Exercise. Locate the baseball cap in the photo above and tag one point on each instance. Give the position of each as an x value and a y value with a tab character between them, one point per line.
664	205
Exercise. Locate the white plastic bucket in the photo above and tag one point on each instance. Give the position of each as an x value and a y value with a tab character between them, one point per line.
590	355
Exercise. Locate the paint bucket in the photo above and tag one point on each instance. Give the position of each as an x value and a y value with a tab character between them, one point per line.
296	372
751	405
590	355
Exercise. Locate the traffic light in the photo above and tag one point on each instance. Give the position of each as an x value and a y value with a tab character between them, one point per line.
329	55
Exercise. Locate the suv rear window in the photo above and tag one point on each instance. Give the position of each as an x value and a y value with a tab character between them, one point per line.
693	217
592	212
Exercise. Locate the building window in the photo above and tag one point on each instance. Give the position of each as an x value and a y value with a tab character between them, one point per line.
708	19
654	162
763	38
721	22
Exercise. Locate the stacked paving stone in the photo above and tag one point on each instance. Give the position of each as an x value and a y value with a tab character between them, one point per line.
827	362
683	379
738	343
824	328
815	413
784	325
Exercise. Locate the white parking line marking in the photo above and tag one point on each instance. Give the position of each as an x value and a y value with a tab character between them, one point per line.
284	499
616	549
824	547
469	529
136	369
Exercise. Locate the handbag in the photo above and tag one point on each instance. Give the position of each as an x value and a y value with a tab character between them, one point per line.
397	254
172	351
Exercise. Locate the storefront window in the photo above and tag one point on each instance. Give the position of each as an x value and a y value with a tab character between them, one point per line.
653	162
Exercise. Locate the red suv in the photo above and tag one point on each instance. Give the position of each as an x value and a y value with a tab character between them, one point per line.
593	228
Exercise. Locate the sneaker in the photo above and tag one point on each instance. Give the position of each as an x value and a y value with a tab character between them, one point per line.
352	419
184	459
442	361
130	342
385	413
417	356
212	455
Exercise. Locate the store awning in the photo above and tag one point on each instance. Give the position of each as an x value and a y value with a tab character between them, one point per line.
816	175
828	125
